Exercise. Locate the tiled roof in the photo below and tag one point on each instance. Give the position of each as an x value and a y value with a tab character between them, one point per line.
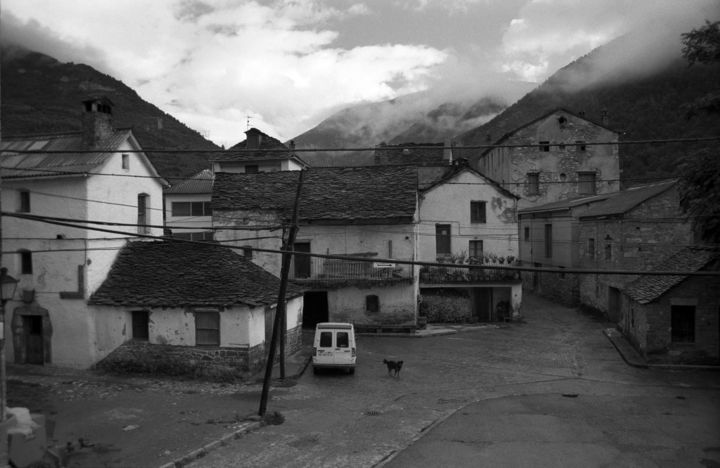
648	288
360	195
429	178
55	164
201	182
410	154
625	200
179	274
240	152
566	204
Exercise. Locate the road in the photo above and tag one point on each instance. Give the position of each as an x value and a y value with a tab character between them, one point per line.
551	391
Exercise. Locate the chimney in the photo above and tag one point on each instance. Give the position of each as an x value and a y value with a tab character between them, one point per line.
96	121
604	117
448	151
253	138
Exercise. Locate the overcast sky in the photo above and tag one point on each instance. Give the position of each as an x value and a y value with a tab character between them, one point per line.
288	64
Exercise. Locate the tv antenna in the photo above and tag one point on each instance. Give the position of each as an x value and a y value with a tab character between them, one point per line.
248	117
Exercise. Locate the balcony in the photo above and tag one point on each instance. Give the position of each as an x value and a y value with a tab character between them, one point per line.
474	271
326	271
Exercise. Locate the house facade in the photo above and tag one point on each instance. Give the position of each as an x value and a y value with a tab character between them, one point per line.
259	152
556	161
675	318
198	306
188	213
59	266
466	218
361	212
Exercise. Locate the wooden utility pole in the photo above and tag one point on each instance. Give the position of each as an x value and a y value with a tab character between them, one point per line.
280	310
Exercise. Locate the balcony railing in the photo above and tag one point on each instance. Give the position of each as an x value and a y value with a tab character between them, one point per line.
326	269
474	274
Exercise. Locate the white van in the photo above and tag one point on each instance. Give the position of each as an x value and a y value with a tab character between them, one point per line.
334	346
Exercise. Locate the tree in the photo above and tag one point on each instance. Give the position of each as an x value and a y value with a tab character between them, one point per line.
700	176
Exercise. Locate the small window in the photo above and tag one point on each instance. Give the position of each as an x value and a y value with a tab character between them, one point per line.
390	249
207	328
591	247
580	145
24	202
26	263
442	239
247	252
126	161
561	146
608	249
326	339
533	183
682	322
142	213
252	169
526	233
477	212
562	121
181	209
475	249
372	303
544	146
343	339
586	183
140	325
200	209
548	241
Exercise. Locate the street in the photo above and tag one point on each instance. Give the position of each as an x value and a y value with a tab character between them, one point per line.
551	391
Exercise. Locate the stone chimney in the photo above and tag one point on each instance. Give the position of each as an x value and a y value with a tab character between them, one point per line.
253	138
96	121
604	119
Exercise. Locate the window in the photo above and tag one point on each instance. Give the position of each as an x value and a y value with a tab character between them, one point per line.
26	264
442	239
682	323
140	325
326	339
207	328
591	247
526	233
342	339
544	146
586	183
477	212
533	183
372	303
205	236
24	202
580	145
142	209
191	209
252	169
475	249
247	252
608	248
126	161
390	252
548	241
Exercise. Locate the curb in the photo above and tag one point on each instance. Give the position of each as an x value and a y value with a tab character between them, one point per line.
410	335
202	451
610	333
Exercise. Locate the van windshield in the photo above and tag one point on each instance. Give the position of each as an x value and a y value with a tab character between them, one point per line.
343	340
325	339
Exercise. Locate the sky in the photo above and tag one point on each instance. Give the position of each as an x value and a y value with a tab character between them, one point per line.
285	65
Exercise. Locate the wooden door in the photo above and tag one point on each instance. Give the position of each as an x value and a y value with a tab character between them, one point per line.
33	329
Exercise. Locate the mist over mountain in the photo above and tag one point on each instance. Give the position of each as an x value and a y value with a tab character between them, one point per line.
43	95
646	90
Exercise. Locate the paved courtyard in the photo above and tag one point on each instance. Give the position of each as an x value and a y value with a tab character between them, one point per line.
551	391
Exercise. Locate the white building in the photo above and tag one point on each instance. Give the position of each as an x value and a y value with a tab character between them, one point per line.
188	213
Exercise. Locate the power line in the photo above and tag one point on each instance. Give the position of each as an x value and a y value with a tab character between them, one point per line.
397	261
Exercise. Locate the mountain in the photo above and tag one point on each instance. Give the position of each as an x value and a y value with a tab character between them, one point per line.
43	95
416	118
652	104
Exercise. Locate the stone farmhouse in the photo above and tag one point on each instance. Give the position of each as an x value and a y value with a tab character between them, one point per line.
559	164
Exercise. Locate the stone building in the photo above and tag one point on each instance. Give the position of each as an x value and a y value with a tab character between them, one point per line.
674	318
559	164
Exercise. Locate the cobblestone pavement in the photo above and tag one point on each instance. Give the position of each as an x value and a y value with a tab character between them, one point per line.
369	418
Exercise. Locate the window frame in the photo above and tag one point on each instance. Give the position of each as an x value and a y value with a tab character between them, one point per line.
26	262
213	330
591	247
143	213
478	212
580	145
548	240
472	248
526	233
125	161
583	184
533	183
687	333
372	303
24	202
544	146
443	243
138	319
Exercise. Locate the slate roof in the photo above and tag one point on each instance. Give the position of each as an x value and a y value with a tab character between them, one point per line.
452	171
410	154
348	195
201	182
56	164
625	200
566	204
648	288
241	153
179	274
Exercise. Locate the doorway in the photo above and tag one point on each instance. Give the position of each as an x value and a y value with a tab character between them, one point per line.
482	304
34	347
302	262
315	308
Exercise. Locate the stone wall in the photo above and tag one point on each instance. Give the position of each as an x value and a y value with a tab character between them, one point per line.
564	289
446	306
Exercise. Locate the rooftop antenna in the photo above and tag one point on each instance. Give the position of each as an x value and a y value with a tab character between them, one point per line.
248	121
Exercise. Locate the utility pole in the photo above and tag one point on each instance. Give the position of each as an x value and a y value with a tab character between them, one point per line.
280	310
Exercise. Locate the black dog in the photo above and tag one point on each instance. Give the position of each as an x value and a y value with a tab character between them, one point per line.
393	367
